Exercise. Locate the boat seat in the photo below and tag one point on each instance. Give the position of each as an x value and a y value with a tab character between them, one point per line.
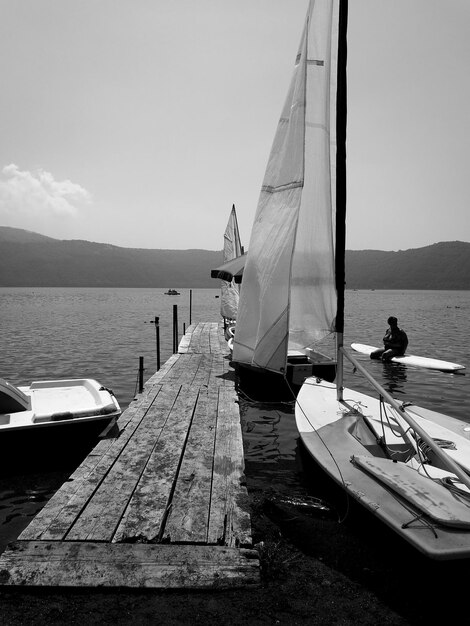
12	399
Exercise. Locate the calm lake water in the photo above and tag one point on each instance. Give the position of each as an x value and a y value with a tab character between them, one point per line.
51	333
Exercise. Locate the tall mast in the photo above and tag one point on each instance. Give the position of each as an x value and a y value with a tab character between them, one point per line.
340	248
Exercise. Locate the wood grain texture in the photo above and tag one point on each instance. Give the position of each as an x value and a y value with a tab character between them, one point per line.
68	564
160	502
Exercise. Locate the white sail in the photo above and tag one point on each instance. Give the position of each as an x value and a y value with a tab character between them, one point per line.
288	298
232	249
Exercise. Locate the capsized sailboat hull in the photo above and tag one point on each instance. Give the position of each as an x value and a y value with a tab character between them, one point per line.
344	438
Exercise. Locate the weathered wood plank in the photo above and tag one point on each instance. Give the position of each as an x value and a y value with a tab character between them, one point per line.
229	504
220	371
70	564
202	376
103	512
69	502
216	346
186	340
175	473
184	370
204	337
194	344
189	515
161	373
152	496
74	494
190	366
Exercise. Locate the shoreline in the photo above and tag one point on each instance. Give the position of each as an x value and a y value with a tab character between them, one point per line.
315	570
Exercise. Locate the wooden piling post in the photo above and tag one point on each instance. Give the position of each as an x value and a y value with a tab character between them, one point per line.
141	374
157	340
175	328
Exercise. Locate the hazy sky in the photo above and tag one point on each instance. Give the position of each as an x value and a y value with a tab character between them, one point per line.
140	122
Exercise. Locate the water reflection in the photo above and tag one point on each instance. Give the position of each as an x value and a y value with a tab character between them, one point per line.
22	496
394	378
269	431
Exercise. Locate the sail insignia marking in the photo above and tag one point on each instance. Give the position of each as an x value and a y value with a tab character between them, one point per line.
293	185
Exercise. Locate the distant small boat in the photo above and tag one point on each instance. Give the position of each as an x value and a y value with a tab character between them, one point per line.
56	403
172	292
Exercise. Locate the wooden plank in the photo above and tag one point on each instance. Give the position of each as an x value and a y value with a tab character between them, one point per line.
103	512
62	511
202	376
190	365
148	506
160	374
200	339
186	340
216	346
74	494
139	406
195	339
220	371
229	504
189	515
204	345
65	564
184	370
175	473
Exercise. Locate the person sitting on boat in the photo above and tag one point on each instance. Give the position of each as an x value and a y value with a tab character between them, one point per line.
395	342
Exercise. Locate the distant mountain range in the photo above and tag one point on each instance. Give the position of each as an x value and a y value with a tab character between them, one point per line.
28	259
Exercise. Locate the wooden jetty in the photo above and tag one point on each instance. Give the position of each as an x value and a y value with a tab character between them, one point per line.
161	505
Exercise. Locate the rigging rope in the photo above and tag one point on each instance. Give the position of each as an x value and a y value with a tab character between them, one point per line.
340	520
450	483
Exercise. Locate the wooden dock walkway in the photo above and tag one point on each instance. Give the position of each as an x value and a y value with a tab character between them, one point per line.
161	505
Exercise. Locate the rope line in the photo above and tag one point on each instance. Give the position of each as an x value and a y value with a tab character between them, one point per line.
343	519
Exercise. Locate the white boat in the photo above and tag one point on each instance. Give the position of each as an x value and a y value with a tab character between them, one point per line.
285	285
413	360
55	403
407	465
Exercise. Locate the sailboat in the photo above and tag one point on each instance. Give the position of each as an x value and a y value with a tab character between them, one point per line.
407	465
229	288
285	290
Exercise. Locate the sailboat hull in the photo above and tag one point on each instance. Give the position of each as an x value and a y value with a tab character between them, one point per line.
260	383
344	438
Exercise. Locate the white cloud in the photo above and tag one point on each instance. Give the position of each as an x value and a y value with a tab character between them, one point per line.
38	194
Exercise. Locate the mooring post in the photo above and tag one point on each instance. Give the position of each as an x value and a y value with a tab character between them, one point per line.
157	340
141	374
175	328
190	304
